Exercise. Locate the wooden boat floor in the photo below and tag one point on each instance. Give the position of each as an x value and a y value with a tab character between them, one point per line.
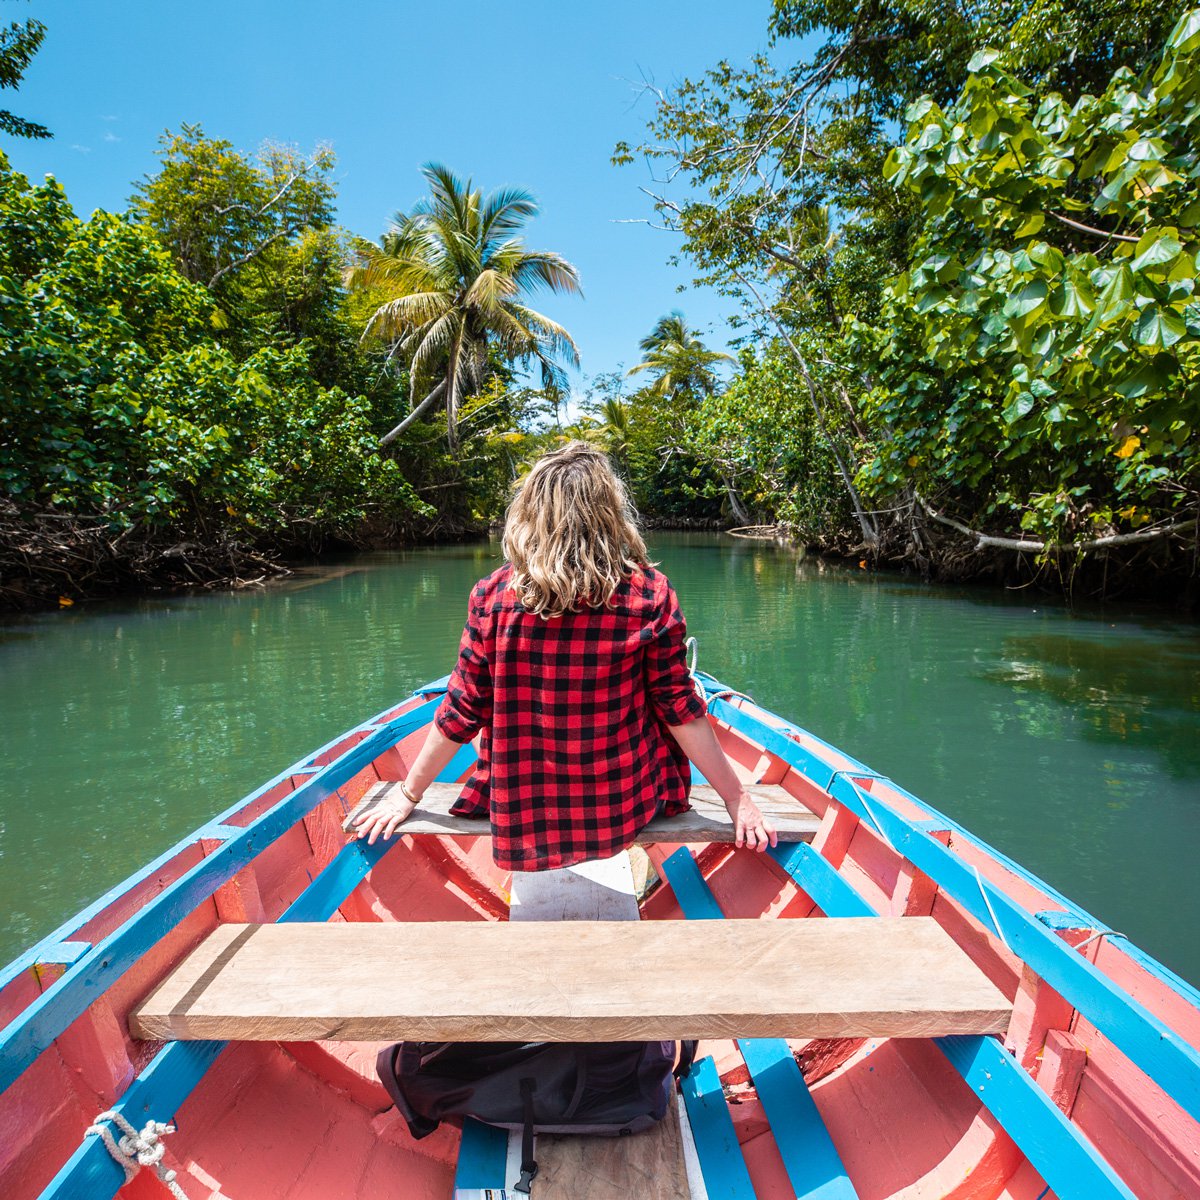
575	981
706	821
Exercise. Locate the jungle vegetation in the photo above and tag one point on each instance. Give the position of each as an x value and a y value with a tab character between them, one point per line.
961	247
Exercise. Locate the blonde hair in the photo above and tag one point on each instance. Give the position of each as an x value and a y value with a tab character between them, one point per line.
571	532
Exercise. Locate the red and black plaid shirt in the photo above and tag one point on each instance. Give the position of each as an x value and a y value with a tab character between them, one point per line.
573	758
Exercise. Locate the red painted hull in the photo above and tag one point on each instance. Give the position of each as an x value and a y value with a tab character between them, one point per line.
310	1122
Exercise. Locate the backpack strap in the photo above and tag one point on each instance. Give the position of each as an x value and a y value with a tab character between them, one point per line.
529	1167
386	1067
687	1056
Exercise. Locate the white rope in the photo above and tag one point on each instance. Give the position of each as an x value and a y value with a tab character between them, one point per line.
992	913
692	649
862	795
1099	933
137	1148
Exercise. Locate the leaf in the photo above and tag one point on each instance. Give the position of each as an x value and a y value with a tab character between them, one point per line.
1155	250
1031	225
1186	34
1117	296
1159	327
1019	408
981	59
1028	300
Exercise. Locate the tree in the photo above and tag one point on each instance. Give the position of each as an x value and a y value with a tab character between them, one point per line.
457	275
19	42
217	211
678	359
1039	364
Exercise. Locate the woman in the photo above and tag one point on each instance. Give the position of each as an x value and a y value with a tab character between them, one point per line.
572	672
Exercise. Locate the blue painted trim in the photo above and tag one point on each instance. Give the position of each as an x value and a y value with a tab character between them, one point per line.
437	687
69	996
64	932
464	759
1159	1051
162	1087
813	1164
1059	1151
694	896
721	1161
63	954
482	1157
157	1093
811	1159
819	879
1064	1158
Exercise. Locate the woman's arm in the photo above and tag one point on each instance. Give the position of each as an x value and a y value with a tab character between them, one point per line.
465	709
383	819
698	741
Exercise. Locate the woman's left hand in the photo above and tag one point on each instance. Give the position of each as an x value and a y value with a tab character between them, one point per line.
386	816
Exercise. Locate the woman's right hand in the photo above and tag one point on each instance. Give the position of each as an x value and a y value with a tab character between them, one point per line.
384	818
751	828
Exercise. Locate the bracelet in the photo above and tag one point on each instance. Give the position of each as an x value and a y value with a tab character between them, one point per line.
407	794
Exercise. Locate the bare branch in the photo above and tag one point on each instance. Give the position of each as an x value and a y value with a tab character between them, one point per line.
1032	546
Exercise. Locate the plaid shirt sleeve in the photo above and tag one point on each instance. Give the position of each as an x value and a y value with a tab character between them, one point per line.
673	693
467	706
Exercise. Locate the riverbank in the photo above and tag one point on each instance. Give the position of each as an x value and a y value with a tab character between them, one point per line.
54	562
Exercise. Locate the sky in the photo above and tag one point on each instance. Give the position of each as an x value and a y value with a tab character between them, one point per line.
531	94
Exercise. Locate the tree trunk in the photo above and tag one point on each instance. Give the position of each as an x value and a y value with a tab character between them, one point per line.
740	515
416	414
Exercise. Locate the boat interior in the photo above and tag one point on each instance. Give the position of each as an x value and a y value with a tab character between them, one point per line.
887	1008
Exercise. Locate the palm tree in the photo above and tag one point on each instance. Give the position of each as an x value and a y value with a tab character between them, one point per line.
678	358
456	275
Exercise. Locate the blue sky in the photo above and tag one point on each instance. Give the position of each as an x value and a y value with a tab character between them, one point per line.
528	94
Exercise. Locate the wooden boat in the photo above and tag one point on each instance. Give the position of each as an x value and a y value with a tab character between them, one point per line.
952	1028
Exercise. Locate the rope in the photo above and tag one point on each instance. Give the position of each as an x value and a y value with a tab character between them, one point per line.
692	650
992	912
1099	933
137	1148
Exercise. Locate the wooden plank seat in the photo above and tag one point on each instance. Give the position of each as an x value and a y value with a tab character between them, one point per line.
574	981
707	821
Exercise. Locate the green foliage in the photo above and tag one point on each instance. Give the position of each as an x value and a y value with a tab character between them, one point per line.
678	359
1041	360
19	42
216	211
893	51
117	401
758	437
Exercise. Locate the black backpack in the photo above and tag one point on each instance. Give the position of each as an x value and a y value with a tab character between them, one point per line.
607	1088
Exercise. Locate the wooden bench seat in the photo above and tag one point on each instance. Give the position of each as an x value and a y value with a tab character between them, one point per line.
575	981
707	821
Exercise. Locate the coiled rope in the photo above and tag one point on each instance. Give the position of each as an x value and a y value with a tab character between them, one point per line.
692	648
136	1148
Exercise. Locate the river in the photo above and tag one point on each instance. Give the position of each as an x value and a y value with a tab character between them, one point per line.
1070	740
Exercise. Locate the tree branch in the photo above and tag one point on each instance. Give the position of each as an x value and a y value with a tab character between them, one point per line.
1031	546
1120	237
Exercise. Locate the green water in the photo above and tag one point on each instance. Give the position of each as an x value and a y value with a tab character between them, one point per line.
1069	741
